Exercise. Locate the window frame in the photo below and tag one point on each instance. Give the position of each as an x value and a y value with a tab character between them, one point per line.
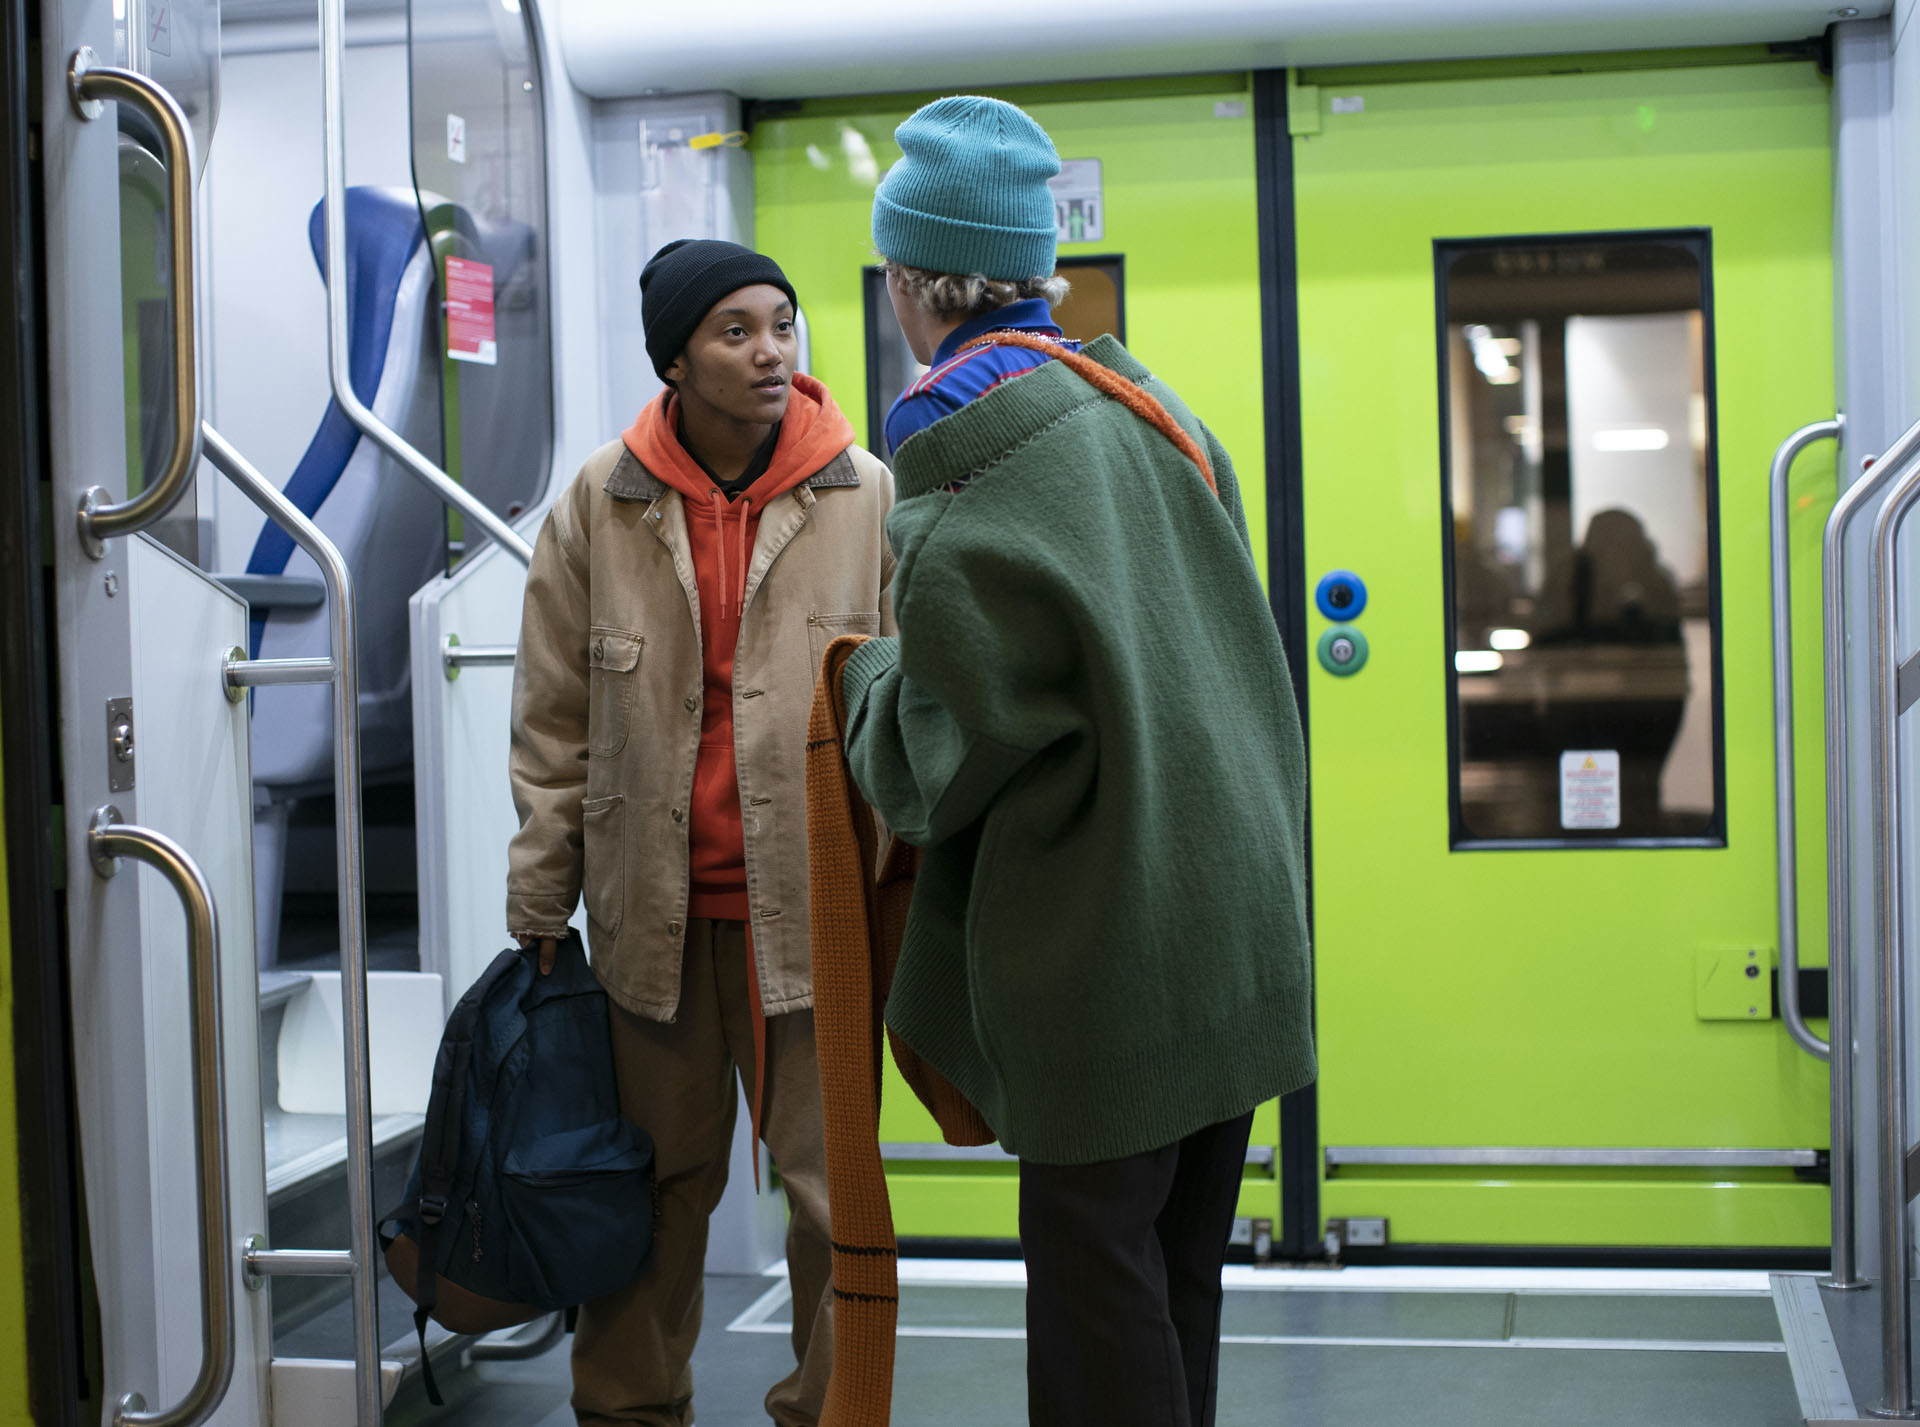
1698	241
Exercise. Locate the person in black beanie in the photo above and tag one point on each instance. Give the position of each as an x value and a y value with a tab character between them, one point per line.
682	594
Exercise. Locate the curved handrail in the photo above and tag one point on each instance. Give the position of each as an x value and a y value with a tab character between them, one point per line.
1890	934
108	840
1853	500
333	58
1785	824
349	854
90	83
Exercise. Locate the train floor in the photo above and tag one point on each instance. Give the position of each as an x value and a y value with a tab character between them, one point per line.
1317	1348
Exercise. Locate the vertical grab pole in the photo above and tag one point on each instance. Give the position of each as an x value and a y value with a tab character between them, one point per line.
1890	979
1840	952
346	771
349	865
1785	822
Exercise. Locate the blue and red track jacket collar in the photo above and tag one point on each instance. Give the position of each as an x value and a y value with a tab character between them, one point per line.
958	377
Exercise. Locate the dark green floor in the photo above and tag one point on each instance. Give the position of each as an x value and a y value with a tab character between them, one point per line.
1344	1359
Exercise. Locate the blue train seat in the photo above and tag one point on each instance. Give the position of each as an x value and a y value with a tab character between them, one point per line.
388	527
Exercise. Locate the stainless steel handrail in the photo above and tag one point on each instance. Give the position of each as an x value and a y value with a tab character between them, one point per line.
1785	825
108	840
1890	936
90	83
1855	499
333	59
350	863
240	672
298	1263
455	656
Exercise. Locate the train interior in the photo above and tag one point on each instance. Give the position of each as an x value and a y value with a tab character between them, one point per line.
1570	367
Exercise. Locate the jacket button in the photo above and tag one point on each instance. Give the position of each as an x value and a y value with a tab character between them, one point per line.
673	929
599	648
677	815
693	702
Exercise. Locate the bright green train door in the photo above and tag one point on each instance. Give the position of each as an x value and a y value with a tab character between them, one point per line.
1552	328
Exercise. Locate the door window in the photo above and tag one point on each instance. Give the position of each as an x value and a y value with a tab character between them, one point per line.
1579	488
479	171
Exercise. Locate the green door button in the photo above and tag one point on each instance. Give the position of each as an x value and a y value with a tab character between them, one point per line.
1343	650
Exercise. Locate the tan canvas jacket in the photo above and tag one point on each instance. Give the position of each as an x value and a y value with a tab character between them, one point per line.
606	713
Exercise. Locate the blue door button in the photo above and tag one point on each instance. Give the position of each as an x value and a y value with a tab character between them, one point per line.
1343	650
1341	595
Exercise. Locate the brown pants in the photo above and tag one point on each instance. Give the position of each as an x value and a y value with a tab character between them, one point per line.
633	1350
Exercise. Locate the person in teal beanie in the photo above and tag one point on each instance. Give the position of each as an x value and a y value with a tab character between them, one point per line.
1086	722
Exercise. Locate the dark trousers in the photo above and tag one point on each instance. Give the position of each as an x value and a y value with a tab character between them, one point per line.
1123	1282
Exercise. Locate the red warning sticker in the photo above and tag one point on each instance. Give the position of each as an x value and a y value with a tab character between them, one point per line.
470	312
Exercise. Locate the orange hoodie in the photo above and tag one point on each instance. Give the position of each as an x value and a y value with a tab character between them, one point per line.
721	535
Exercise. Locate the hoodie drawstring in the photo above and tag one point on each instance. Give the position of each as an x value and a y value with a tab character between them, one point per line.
726	582
733	589
746	509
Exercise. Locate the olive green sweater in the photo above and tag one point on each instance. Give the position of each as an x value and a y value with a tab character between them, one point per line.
1088	724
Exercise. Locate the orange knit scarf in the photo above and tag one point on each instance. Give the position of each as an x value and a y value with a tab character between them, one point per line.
860	894
1141	402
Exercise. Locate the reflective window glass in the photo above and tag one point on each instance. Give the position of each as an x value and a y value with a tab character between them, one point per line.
1583	658
479	169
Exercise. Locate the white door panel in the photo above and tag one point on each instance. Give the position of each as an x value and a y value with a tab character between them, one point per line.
138	624
197	787
463	802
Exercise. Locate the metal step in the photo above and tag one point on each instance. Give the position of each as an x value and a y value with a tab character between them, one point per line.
1819	1372
1833	1346
306	1164
312	1374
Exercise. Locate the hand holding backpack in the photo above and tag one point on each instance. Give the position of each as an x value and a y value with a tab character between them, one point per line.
530	1193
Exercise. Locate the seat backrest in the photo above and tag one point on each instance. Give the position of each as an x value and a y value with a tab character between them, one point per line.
388	527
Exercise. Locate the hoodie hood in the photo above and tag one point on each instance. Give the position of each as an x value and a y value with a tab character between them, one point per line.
812	433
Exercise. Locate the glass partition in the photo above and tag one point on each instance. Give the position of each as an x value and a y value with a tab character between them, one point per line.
1582	563
177	43
479	166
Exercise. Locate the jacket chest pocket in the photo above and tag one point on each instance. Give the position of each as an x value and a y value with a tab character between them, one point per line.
613	658
823	629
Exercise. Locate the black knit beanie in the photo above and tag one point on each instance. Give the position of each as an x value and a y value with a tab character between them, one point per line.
683	281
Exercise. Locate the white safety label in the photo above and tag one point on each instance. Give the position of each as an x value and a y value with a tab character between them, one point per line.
456	138
1590	789
1077	207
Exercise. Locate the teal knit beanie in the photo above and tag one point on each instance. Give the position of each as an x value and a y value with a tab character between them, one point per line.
969	194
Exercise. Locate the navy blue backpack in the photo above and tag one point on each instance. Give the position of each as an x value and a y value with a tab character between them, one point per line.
531	1193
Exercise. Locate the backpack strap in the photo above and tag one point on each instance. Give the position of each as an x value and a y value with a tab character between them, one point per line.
1141	402
439	1163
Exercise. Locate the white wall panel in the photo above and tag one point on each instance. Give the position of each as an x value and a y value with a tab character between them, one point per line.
649	189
